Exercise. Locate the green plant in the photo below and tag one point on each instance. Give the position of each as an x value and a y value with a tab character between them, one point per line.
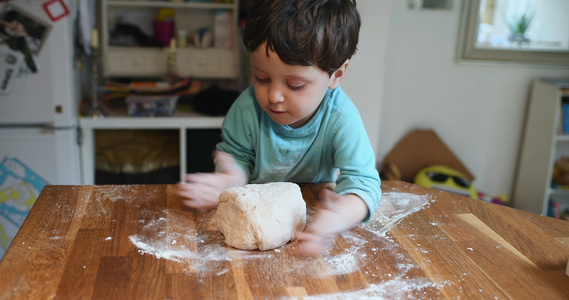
521	25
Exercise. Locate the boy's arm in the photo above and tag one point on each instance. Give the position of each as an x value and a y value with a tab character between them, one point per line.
239	131
355	158
233	159
202	189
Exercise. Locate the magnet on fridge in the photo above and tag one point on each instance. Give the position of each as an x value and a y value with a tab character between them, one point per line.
56	9
10	61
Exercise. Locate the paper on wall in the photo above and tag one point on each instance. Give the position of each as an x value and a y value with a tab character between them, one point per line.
19	189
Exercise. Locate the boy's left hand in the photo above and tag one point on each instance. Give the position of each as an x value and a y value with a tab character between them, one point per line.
201	191
335	214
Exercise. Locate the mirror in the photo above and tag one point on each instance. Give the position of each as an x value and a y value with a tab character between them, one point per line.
535	31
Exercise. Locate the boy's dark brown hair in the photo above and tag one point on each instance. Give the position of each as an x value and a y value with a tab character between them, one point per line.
322	33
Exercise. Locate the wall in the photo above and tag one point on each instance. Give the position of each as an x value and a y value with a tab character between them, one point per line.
406	75
365	77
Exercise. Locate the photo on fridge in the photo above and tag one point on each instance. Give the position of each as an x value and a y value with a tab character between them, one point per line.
15	21
23	32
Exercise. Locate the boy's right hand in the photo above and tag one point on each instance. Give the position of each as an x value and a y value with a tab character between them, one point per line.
201	190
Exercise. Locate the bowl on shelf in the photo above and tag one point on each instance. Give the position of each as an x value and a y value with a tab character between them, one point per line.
151	106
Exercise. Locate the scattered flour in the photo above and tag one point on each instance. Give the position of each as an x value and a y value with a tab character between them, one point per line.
115	193
346	262
393	208
212	256
156	238
105	198
160	249
396	288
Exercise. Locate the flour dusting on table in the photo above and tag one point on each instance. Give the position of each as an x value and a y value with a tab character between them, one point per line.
396	288
155	239
393	208
212	257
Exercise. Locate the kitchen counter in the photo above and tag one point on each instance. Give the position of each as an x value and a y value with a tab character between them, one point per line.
139	242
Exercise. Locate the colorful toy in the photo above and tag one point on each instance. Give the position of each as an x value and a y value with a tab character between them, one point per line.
500	199
446	179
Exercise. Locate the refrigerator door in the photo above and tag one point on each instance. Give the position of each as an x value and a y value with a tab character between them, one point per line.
52	154
48	96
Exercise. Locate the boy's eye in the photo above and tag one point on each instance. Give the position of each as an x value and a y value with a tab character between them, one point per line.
262	80
293	86
296	87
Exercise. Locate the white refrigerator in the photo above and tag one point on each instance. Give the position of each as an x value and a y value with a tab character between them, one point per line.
38	110
39	97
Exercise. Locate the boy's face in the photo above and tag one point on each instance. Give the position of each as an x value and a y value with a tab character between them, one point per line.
290	94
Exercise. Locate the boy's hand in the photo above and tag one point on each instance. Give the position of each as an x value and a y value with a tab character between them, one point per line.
202	189
335	214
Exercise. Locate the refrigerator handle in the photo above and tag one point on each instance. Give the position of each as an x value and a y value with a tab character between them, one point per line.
79	136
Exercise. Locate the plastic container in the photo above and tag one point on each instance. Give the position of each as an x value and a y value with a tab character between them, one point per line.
164	31
182	38
151	106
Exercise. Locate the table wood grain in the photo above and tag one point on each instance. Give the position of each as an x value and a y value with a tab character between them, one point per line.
139	242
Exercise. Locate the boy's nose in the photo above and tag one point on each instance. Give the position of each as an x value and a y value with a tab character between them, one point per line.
275	95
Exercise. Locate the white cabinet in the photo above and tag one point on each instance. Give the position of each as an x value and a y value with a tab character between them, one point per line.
543	144
186	124
196	61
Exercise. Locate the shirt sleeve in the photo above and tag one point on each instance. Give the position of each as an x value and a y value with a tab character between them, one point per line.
238	132
354	157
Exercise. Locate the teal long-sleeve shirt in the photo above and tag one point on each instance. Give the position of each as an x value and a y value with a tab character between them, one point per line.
332	147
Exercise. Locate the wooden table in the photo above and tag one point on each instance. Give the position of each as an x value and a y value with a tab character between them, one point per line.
139	242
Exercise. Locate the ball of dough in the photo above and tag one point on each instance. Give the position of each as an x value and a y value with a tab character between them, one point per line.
261	216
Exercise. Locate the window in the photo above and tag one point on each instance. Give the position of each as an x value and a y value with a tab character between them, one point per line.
516	30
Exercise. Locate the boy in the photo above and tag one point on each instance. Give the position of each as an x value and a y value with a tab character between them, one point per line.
296	123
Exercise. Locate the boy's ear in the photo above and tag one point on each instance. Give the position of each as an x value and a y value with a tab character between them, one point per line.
338	75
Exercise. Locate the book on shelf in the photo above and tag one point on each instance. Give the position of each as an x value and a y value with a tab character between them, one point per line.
554	210
564	124
558	207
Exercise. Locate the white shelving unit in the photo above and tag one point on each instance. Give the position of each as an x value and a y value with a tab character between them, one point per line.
192	61
151	62
178	122
543	144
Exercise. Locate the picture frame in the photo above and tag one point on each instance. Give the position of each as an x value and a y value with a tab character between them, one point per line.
17	22
469	52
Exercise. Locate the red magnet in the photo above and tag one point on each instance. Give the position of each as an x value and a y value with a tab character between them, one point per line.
56	9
